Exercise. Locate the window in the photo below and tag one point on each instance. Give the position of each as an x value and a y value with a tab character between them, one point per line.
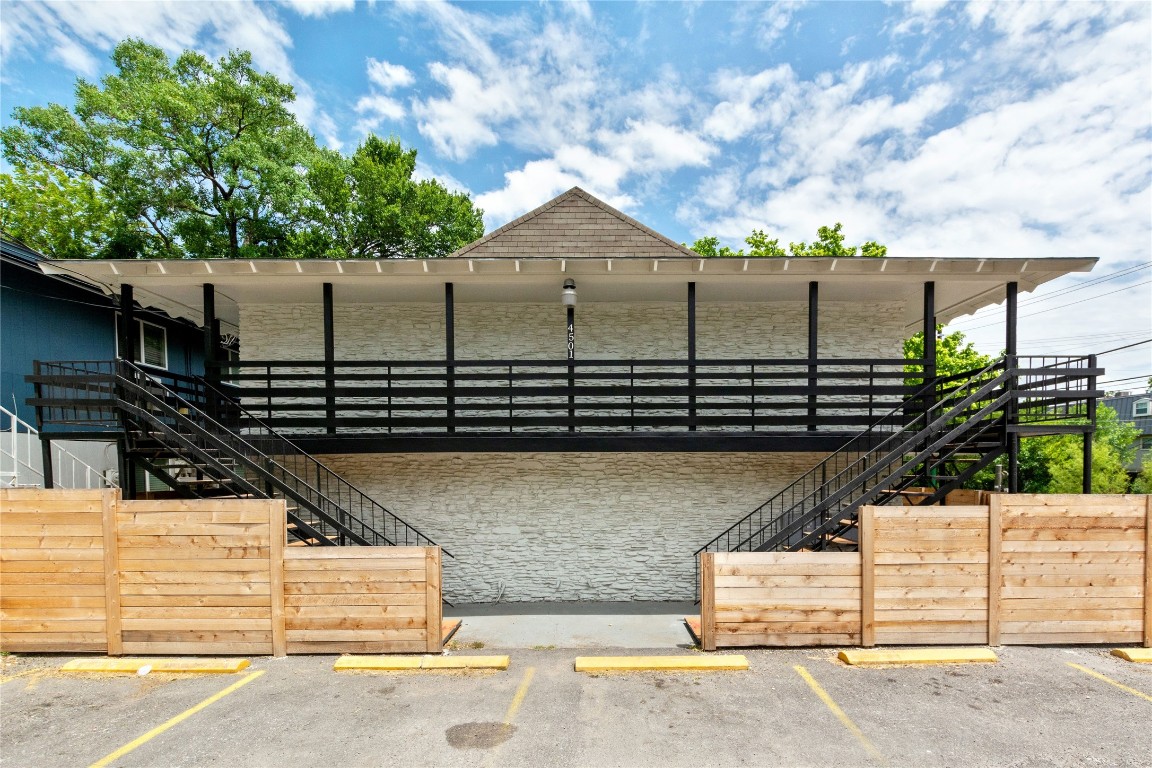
1142	407
1145	443
151	343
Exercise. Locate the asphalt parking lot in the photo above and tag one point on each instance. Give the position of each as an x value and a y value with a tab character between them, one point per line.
1036	707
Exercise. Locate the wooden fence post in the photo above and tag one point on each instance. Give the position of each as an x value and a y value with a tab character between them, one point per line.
868	577
110	502
433	599
1148	572
995	559
277	540
708	601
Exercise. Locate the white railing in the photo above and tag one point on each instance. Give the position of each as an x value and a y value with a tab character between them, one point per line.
19	469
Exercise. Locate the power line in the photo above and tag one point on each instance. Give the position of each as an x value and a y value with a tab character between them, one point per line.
1063	306
1127	378
1126	346
1089	284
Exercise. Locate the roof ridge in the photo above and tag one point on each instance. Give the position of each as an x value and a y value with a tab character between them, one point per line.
519	220
586	197
632	222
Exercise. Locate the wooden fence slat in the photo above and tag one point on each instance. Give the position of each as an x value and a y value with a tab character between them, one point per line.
708	601
278	541
109	501
1148	571
995	561
868	576
433	600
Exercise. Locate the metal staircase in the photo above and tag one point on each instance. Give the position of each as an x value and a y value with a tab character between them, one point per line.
201	442
971	416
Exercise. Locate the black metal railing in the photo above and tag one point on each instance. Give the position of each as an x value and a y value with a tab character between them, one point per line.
230	446
965	413
587	396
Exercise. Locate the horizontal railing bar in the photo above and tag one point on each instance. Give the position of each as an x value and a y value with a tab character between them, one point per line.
561	376
800	361
562	420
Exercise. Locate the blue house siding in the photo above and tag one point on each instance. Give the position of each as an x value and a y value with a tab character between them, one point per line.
44	317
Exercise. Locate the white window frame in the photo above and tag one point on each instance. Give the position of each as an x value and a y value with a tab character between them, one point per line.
1147	403
140	340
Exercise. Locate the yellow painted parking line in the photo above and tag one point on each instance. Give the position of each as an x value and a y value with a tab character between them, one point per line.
1137	655
25	673
510	715
1110	681
518	699
697	663
174	721
871	657
846	721
401	663
133	666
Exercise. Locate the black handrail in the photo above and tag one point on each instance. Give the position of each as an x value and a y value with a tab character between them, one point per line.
187	416
254	431
964	409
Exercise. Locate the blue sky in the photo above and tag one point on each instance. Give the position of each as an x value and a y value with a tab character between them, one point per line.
940	129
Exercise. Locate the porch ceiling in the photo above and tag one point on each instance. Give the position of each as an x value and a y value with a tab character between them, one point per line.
962	285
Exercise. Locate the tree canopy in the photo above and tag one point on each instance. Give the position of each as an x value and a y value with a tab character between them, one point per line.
369	206
199	159
829	242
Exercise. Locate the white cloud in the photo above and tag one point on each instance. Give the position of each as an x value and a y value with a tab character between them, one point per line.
539	181
531	83
646	146
389	76
318	8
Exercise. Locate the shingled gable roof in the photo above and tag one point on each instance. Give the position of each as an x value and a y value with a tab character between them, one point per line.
574	225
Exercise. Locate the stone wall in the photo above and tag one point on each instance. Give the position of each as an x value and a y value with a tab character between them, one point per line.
571	526
536	331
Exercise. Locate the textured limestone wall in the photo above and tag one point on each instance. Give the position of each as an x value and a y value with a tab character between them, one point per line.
572	526
536	331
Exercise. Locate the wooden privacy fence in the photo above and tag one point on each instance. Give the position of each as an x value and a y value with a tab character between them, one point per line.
85	571
1025	569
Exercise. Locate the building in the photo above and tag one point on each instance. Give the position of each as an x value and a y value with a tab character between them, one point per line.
61	316
573	404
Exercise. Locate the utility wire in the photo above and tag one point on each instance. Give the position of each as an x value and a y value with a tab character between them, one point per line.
1126	346
1063	306
1089	284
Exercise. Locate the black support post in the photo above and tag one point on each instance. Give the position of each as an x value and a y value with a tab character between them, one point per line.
45	461
692	356
929	331
1010	411
128	332
211	346
450	352
813	350
1091	432
571	368
329	361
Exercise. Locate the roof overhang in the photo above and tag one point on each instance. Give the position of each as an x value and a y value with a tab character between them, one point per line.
962	285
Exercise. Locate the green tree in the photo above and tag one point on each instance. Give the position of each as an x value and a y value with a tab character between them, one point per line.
829	242
1143	481
1054	464
954	354
369	206
52	213
204	158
